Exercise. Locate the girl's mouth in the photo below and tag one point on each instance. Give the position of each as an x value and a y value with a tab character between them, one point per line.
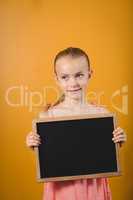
74	90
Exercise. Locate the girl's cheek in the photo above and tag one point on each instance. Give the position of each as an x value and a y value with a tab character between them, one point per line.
62	83
63	86
84	82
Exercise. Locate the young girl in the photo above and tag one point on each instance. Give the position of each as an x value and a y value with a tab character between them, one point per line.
72	73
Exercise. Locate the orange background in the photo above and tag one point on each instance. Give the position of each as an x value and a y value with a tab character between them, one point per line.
32	32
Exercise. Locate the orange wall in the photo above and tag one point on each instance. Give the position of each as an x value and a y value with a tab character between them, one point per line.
32	32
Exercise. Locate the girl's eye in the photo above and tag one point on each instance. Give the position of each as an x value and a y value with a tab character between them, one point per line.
79	75
64	77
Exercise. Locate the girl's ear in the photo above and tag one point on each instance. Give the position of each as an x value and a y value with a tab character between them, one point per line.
90	73
56	79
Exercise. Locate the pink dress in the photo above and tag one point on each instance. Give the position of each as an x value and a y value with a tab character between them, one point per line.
83	189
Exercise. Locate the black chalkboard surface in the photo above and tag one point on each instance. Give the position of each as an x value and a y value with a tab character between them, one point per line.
76	147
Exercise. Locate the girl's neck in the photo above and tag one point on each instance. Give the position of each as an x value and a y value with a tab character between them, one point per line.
74	103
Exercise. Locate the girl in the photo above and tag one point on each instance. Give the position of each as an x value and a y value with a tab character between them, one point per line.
72	72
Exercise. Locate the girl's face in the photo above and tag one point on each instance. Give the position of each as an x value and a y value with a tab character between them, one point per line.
72	75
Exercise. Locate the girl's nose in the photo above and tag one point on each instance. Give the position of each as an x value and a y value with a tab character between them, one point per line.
73	82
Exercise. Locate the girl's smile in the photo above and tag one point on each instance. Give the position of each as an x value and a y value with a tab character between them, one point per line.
76	90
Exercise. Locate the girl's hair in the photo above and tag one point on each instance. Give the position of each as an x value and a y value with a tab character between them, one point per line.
74	53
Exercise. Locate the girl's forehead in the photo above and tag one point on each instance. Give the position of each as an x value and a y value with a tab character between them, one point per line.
71	65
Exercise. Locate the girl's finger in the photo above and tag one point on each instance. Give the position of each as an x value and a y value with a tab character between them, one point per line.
34	140
123	135
120	136
118	130
119	139
31	140
33	143
33	133
34	136
118	133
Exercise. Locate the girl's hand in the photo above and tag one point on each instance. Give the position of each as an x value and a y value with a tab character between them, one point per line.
32	140
119	136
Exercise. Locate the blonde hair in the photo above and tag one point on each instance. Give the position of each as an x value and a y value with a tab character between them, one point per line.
61	99
74	53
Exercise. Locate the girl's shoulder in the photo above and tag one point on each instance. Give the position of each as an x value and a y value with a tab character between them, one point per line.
97	108
50	111
45	112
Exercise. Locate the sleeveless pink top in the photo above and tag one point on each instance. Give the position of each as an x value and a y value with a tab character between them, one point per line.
84	189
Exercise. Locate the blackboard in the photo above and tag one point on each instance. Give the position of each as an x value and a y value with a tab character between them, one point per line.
76	147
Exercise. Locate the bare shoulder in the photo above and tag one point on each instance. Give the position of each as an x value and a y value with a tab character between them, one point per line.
47	111
98	108
51	112
43	114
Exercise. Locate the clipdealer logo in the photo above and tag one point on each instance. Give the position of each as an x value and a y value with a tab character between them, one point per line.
32	99
28	98
123	93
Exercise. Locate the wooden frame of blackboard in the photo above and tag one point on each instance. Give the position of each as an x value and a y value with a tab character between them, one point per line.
67	119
